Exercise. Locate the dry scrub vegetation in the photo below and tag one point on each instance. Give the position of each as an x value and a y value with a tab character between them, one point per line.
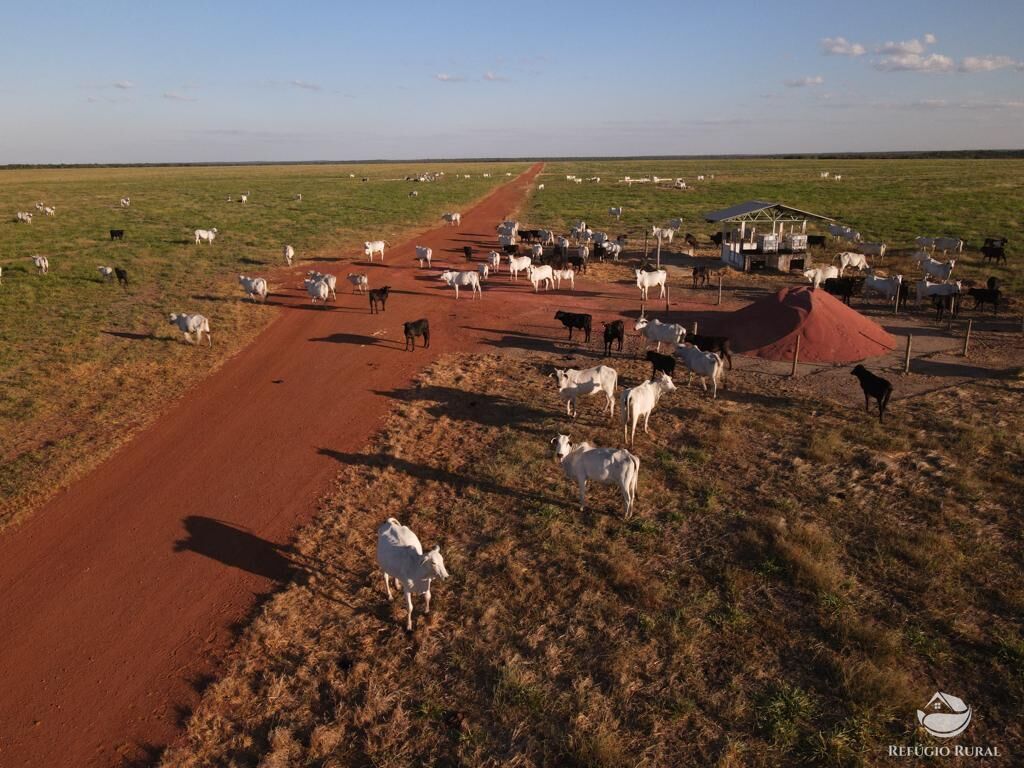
798	580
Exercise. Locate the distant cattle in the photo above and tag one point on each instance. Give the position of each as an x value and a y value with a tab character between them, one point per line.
117	234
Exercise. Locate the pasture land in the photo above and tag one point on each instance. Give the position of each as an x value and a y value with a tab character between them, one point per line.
797	581
85	364
892	201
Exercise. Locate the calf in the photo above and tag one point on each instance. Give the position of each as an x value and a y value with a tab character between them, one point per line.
117	234
379	296
873	386
122	277
615	330
574	320
700	275
661	363
416	328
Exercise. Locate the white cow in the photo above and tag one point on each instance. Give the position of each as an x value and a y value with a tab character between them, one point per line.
400	556
885	286
253	287
452	218
939	269
189	324
659	332
483	270
517	264
289	254
298	197
125	202
564	274
504	240
42	264
372	247
818	275
50	211
613	250
663	233
331	280
462	279
360	282
23	217
106	273
926	289
424	255
205	235
946	244
609	466
318	290
244	198
616	212
494	259
707	365
850	259
647	280
873	249
537	251
573	382
539	275
640	401
540	187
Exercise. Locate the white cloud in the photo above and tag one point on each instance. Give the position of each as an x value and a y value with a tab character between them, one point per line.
175	96
306	86
840	46
124	85
913	62
805	82
930	39
446	78
914	47
988	63
493	78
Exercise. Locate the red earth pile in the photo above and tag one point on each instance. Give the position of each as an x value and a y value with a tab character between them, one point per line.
829	331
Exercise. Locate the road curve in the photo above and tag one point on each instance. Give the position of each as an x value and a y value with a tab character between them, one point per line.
118	597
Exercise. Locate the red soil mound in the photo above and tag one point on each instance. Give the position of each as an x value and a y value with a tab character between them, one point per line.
829	331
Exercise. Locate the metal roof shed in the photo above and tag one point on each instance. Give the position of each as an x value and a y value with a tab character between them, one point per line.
743	248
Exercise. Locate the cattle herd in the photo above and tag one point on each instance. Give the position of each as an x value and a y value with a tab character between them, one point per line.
399	552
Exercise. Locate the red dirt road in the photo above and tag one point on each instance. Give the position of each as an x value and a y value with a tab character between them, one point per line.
117	598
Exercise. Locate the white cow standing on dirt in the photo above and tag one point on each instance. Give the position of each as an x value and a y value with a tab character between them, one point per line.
463	279
640	401
289	254
584	462
400	556
189	324
647	280
818	275
373	247
517	264
540	275
659	332
590	381
424	255
707	365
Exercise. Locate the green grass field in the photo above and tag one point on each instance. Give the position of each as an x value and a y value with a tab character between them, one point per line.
892	201
84	364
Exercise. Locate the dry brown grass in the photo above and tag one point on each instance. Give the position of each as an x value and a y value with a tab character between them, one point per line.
778	599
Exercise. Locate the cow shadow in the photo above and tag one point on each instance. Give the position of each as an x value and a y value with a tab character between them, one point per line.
477	407
358	340
237	548
138	336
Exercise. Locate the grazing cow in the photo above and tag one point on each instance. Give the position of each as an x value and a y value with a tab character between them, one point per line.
116	234
373	247
360	281
939	269
572	383
985	296
517	264
717	344
661	363
707	365
42	264
575	320
608	466
843	288
414	193
659	332
400	556
318	290
205	235
646	280
253	287
452	219
818	275
615	330
640	401
106	273
462	279
416	328
423	255
850	259
540	275
700	275
122	277
189	324
564	274
125	202
874	387
379	296
289	254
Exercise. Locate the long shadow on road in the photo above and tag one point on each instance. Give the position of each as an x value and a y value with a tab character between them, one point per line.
236	547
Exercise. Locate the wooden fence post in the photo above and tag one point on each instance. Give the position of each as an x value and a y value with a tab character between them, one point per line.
720	298
906	357
694	327
967	336
796	358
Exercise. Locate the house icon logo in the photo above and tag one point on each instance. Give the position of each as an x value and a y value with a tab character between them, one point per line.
945	716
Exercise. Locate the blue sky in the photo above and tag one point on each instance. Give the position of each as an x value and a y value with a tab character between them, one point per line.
138	82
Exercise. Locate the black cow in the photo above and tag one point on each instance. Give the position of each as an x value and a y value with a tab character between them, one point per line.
379	296
944	304
817	241
416	328
690	240
873	386
993	252
574	320
122	277
985	296
659	362
700	275
578	263
468	251
612	331
843	287
510	250
117	234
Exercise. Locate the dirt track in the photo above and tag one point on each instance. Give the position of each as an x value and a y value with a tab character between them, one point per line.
118	596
